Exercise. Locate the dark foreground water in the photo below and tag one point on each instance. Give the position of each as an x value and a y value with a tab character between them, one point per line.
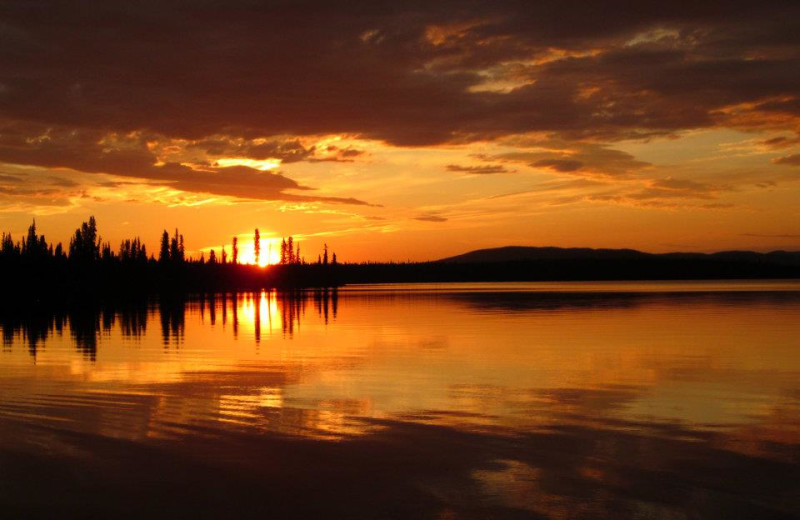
660	400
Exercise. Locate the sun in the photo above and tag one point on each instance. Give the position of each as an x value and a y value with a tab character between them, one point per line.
270	252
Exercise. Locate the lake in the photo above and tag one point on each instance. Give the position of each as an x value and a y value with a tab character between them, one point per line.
532	400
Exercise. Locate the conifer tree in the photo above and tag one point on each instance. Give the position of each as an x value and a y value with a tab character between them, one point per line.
174	248
257	246
163	255
85	244
290	250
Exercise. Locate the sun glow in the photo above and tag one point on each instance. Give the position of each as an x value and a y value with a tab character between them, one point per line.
270	252
263	165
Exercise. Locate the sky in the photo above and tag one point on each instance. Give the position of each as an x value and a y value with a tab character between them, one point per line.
404	130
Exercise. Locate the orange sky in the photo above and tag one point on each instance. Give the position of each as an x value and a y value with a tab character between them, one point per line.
401	135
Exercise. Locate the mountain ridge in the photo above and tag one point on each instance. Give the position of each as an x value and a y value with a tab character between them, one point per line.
536	253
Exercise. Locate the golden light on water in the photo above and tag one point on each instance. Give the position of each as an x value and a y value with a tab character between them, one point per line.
259	312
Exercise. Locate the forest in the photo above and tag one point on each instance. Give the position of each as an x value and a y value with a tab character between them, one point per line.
35	269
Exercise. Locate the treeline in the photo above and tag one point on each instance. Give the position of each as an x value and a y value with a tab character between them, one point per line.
87	246
34	269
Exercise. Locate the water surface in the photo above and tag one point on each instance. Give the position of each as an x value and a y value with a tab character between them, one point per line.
535	400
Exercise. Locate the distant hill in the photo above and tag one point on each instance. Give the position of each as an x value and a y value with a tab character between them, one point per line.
535	254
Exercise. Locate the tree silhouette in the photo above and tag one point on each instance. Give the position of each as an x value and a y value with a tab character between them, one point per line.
235	250
85	244
30	244
257	246
163	255
290	250
325	255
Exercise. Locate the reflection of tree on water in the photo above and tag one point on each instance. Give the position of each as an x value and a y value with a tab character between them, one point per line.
293	308
172	313
85	326
133	323
263	310
87	323
34	330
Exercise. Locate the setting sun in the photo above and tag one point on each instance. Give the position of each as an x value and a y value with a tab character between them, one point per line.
270	252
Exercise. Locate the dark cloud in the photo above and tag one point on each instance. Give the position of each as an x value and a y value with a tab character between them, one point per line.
481	170
670	188
789	160
780	141
409	74
64	183
431	218
92	152
559	165
762	235
287	151
9	179
586	159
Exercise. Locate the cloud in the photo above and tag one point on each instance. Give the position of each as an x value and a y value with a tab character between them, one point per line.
488	169
789	160
780	142
424	74
168	91
763	235
130	156
286	151
670	188
431	218
559	165
577	158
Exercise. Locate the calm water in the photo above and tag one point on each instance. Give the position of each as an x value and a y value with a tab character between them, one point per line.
603	400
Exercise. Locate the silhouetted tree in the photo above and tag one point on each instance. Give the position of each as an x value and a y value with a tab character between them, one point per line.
212	257
163	255
141	255
257	246
290	250
333	261
224	256
106	253
32	246
85	244
174	247
283	251
325	255
235	250
8	248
